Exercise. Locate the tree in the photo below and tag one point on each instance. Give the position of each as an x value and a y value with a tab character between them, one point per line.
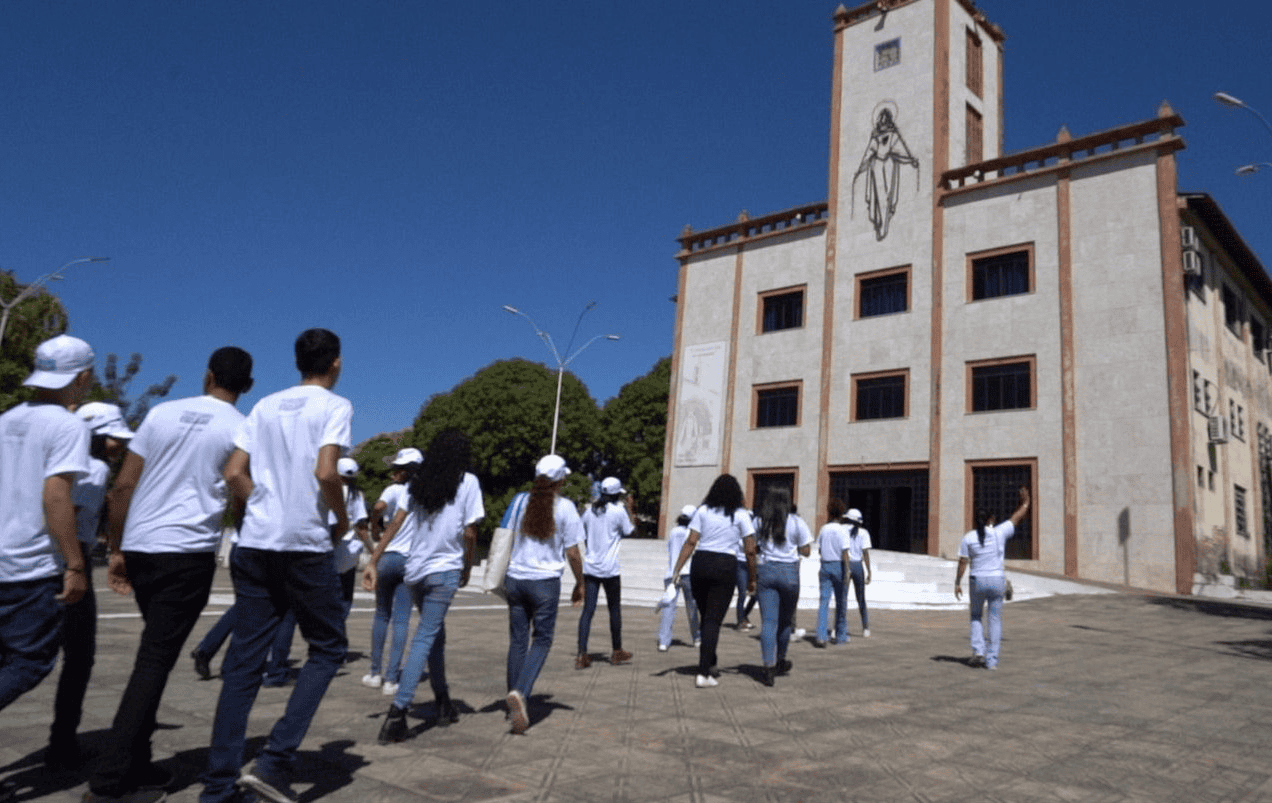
31	322
115	389
635	434
506	411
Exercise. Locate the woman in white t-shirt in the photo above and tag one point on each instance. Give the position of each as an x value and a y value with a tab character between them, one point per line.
982	549
606	522
442	512
392	599
857	564
721	529
675	542
832	549
546	535
781	542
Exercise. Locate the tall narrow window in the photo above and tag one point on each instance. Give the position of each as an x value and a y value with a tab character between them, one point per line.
1239	510
777	405
975	137
975	64
878	396
782	309
883	292
1001	385
1004	272
1231	310
1258	340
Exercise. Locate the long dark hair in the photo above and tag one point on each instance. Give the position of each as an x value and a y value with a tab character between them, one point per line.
437	480
835	509
982	518
725	494
539	520
775	509
605	500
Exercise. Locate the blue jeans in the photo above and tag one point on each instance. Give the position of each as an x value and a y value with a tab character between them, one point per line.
530	602
79	649
30	634
266	586
857	574
392	604
216	636
432	596
613	601
777	586
830	578
989	590
669	613
740	578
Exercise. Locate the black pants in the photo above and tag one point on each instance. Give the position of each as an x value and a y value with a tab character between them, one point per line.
171	590
613	601
712	575
79	649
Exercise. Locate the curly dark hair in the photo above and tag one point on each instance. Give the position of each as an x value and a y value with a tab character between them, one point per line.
725	494
437	480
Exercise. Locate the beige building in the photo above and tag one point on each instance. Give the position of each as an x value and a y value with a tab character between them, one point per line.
953	322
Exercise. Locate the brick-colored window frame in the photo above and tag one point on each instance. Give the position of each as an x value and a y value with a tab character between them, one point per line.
802	289
903	373
756	390
886	273
974	143
972	258
753	473
1030	359
975	64
969	497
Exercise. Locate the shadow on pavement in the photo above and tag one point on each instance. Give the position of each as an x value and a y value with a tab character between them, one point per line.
1214	607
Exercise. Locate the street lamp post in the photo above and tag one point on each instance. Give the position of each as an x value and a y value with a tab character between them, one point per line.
1237	103
34	286
1245	170
561	362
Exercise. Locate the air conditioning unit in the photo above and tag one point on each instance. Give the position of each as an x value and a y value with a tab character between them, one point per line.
1192	263
1189	237
1217	429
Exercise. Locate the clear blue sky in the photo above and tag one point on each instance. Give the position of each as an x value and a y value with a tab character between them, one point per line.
398	171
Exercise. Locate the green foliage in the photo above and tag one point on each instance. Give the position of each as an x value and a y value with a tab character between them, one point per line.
635	427
30	323
114	389
373	455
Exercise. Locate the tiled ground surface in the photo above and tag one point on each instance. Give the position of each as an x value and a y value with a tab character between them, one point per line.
1119	697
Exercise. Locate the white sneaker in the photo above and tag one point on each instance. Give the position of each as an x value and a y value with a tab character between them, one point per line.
697	642
800	632
373	681
866	633
389	689
662	647
705	682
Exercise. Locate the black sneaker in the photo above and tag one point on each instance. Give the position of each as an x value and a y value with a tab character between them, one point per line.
152	776
202	665
394	727
62	756
275	790
784	667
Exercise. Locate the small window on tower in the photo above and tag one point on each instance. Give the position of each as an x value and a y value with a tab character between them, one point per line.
887	54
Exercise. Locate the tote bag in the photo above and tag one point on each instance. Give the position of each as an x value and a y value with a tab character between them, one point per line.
501	546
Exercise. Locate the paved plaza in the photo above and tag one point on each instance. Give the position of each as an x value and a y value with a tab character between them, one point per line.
1100	697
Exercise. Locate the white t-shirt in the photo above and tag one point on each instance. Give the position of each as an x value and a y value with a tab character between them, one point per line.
675	542
282	435
603	533
437	541
88	495
38	440
720	533
532	559
181	495
797	535
856	541
832	541
987	560
394	498
355	508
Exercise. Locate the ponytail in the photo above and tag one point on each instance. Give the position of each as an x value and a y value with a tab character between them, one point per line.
981	517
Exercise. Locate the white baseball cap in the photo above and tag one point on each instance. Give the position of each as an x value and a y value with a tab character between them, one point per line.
406	457
854	515
553	467
105	419
58	361
347	466
611	485
688	510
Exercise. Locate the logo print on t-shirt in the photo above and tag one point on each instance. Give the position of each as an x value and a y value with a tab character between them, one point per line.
195	419
291	405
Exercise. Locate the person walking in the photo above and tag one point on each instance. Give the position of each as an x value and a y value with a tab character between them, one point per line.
605	523
165	514
109	435
857	544
720	529
441	518
675	542
982	549
357	537
782	541
833	551
546	537
284	467
392	598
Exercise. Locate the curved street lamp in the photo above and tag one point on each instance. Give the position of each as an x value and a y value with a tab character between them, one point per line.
1237	103
561	362
1245	170
32	288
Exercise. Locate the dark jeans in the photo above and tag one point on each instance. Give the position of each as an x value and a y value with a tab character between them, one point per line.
171	590
79	648
530	602
713	575
613	601
214	638
30	634
266	586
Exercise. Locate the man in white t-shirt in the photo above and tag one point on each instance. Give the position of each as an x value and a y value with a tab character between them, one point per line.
43	450
285	466
166	508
